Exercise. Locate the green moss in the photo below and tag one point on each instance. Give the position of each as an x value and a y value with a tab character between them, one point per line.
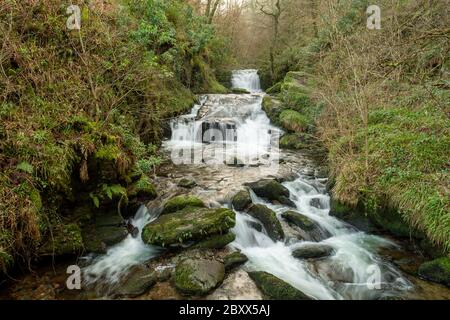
142	188
188	224
64	240
269	220
180	202
240	91
272	107
242	200
217	241
293	121
233	260
293	141
108	152
276	88
437	270
275	288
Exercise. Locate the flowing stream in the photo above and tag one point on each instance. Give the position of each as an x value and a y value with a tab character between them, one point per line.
227	141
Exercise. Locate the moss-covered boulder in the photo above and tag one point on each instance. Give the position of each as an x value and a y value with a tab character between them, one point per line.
293	141
218	241
242	200
142	189
191	224
234	260
271	190
65	239
275	288
239	91
187	183
269	220
313	251
293	121
198	276
180	202
437	270
309	230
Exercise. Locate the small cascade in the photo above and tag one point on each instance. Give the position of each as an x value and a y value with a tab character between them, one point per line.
246	79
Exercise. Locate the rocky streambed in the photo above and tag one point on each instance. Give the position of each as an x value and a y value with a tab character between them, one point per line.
237	217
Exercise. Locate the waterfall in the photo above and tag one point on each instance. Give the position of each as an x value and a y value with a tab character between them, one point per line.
246	79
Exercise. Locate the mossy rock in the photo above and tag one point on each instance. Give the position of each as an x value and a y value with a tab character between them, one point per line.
437	270
187	183
299	220
198	276
272	190
218	241
240	91
313	251
242	200
275	288
276	88
308	229
142	189
269	220
66	239
293	141
234	260
273	108
187	225
180	202
294	121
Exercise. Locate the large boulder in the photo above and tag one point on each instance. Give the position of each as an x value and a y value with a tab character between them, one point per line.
198	276
272	190
437	270
309	230
269	220
275	288
180	202
191	224
313	251
242	200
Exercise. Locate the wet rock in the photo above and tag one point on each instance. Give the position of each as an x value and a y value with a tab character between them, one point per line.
198	276
139	281
308	228
315	202
187	183
180	202
269	220
66	239
437	270
255	225
234	259
275	288
272	190
142	189
241	200
237	286
108	229
332	271
239	91
313	251
191	224
217	241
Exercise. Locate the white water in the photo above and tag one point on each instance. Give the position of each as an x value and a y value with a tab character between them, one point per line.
118	260
348	274
354	252
246	79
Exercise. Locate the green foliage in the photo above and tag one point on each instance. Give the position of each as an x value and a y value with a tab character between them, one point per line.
293	121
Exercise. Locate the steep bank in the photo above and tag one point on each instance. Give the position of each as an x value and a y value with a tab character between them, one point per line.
81	114
378	100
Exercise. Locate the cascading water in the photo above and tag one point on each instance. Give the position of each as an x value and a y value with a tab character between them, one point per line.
238	123
112	266
246	79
